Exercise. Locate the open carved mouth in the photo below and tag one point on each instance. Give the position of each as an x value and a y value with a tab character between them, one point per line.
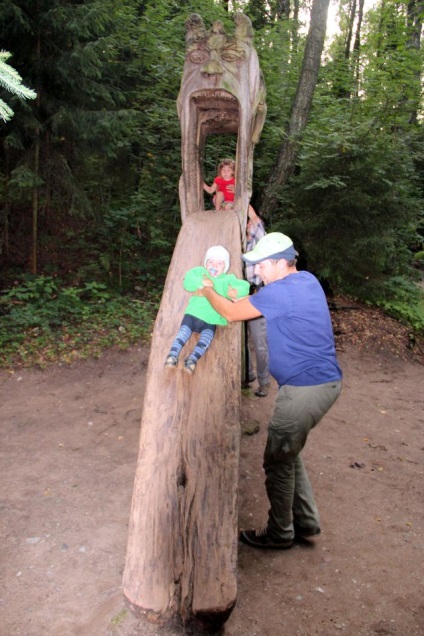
218	111
222	94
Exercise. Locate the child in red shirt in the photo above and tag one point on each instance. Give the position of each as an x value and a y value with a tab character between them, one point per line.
223	186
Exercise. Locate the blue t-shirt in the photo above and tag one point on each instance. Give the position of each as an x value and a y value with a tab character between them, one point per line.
299	331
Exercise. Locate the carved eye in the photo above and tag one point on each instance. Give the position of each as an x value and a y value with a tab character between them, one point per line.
231	55
198	56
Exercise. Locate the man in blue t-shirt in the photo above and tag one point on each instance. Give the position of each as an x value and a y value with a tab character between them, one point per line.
302	358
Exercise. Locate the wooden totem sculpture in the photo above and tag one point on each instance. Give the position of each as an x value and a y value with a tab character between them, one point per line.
181	559
222	91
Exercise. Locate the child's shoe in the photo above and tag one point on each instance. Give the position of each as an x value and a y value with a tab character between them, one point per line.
171	361
190	365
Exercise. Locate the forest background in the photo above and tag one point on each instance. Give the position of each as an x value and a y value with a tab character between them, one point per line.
89	167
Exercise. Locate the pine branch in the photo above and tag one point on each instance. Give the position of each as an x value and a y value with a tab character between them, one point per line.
11	81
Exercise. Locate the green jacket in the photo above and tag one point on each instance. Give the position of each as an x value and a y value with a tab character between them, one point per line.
199	306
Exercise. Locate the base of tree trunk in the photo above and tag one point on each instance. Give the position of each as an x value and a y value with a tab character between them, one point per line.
182	545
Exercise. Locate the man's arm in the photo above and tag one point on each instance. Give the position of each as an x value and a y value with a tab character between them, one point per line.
252	215
241	310
258	230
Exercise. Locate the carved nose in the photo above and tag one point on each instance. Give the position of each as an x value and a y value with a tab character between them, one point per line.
214	66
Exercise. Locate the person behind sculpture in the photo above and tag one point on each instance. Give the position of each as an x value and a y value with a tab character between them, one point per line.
256	328
303	361
223	186
199	316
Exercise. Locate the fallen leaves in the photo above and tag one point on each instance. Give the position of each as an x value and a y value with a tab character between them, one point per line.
369	329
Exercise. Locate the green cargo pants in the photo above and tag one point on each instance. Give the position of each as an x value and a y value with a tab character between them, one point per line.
297	410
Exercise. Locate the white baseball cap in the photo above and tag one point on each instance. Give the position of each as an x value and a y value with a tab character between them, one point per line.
274	246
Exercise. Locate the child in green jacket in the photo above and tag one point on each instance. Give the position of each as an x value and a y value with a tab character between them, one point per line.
199	316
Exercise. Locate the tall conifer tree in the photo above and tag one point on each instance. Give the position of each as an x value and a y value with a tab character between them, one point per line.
70	53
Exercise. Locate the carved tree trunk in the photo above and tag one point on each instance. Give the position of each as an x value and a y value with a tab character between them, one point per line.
182	543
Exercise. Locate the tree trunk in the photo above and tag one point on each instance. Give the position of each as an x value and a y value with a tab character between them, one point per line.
357	45
352	14
285	162
35	193
34	265
415	12
282	10
182	542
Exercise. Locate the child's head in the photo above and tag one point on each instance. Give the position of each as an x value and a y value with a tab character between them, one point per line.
217	260
226	168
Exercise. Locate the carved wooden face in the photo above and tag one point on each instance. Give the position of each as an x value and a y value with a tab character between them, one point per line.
222	93
217	54
214	58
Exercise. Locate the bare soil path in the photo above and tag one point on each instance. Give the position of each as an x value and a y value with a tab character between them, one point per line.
69	437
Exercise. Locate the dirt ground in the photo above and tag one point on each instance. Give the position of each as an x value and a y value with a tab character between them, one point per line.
69	437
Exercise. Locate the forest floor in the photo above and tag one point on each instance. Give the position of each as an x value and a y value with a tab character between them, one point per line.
68	459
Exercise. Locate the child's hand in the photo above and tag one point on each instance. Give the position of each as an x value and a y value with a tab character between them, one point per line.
209	189
207	282
232	293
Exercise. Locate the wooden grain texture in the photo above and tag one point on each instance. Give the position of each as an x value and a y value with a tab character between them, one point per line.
182	542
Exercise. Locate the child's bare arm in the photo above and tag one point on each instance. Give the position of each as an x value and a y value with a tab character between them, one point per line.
209	189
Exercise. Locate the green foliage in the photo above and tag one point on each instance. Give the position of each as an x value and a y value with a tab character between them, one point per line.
43	303
42	321
76	137
136	253
11	81
355	206
404	301
355	203
105	125
22	180
280	63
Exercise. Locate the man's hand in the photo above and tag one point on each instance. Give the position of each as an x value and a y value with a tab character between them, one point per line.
241	309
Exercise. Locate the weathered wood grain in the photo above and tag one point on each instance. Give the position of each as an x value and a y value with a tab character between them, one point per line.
182	543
